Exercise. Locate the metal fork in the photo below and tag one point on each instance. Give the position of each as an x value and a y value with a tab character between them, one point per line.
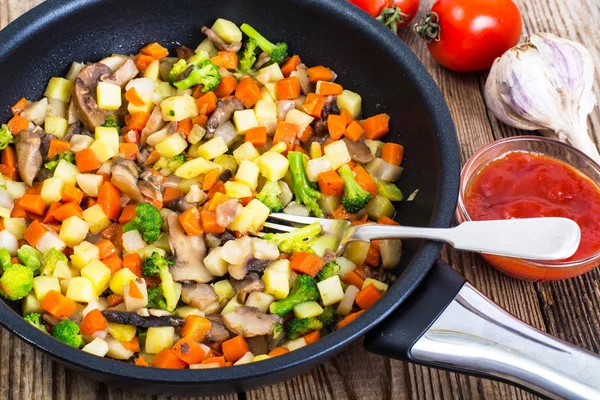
531	238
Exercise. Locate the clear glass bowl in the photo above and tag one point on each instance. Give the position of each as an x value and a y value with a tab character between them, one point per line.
516	267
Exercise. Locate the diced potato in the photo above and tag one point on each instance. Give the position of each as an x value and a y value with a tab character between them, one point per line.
90	184
56	126
378	284
66	171
109	96
48	241
317	166
265	95
107	132
59	88
248	173
15	189
62	270
260	213
98	273
270	73
337	153
302	119
153	70
378	207
213	148
272	88
237	189
74	71
214	263
264	250
52	189
348	301
208	46
260	300
121	332
277	279
195	167
244	120
96	218
196	134
184	311
147	107
266	112
345	266
116	350
104	149
231	306
331	290
172	146
83	254
315	150
132	302
246	151
80	142
227	30
73	231
31	304
273	166
224	290
178	108
97	347
295	344
244	222
351	102
43	284
16	226
81	290
121	278
356	252
308	309
159	338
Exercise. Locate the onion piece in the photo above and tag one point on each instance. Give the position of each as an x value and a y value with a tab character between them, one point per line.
347	301
384	170
132	241
296	209
283	107
172	181
228	132
9	242
6	200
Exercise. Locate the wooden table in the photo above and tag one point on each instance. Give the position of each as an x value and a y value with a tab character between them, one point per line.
568	309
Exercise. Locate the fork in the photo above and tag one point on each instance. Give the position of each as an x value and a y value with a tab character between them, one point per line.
549	238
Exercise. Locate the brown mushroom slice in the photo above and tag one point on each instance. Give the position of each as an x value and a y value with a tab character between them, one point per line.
132	318
124	175
250	322
227	212
189	253
84	94
184	52
154	124
223	113
151	185
251	283
303	78
359	152
29	157
123	75
220	43
262	60
199	295
218	333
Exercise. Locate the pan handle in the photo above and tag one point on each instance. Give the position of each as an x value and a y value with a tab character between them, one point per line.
449	324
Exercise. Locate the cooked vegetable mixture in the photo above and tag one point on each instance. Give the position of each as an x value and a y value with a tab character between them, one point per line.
134	193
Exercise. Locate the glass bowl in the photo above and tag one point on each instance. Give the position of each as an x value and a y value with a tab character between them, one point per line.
520	268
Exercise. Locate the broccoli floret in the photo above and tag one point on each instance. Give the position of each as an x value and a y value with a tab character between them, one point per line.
35	319
67	332
112	121
206	74
305	194
5	259
304	289
65	155
147	222
329	319
278	52
389	191
249	57
170	163
178	68
157	264
355	198
269	196
51	258
156	298
16	281
297	327
330	269
31	258
6	137
296	240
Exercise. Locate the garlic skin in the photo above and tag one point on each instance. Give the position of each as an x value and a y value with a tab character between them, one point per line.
545	84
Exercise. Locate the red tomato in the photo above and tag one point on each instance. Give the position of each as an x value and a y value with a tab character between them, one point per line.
392	13
468	35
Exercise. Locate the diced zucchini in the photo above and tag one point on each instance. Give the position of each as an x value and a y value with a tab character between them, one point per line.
81	289
109	96
59	88
244	120
56	126
213	148
380	206
337	153
227	30
73	231
307	309
172	146
351	102
96	218
178	108
52	189
331	290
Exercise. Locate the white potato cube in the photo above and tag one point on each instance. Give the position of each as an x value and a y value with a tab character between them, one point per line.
337	153
213	148
302	119
66	171
81	289
351	102
56	126
98	273
96	218
266	112
317	166
52	189
80	142
331	290
273	165
244	120
90	184
153	70
73	231
172	146
109	96
214	263
48	241
248	173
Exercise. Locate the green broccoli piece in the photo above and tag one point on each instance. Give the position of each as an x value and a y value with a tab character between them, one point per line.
31	258
157	264
67	332
278	52
296	240
389	191
16	281
5	259
112	121
304	289
6	137
35	319
355	198
249	57
330	269
178	68
156	298
329	319
269	196
170	163
297	327
305	194
51	258
147	222
206	74
65	155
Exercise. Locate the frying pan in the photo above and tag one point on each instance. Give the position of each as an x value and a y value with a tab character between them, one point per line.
430	315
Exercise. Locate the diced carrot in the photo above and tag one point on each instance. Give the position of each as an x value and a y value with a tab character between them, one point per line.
185	126
306	135
56	304
226	87
114	300
93	321
277	351
196	328
349	318
127	214
72	194
217	60
257	136
361	221
9	157
386	221
288	88
392	153
113	262
313	105
17	124
210	179
141	362
191	221
247	92
234	348
133	262
167	358
33	203
134	98
330	89
209	222
312	337
365	180
134	291
129	150
367	296
170	194
152	158
35	189
376	127
68	210
229	59
319	73
155	50
9	172
86	160
143	61
218	198
353	278
132	345
58	146
189	351
373	254
331	183
106	248
17	211
49	217
353	131
197	92
341	213
347	116
109	198
305	263
200	120
207	103
138	121
215	360
286	133
19	106
218	187
290	65
336	124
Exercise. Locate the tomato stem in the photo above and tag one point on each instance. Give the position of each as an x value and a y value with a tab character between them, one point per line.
429	30
391	17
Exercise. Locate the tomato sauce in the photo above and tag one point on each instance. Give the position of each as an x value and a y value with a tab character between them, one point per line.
527	185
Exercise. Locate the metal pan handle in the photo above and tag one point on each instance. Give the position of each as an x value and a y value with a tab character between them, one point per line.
469	333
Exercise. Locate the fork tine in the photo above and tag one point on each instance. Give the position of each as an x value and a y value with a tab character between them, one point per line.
295	218
278	227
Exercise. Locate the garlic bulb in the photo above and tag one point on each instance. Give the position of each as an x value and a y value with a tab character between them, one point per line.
545	84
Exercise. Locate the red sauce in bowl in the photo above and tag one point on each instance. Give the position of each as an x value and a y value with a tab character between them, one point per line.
526	185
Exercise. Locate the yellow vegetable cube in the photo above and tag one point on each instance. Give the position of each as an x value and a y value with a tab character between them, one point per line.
43	284
231	306
66	171
227	30
308	309
277	279
195	167
158	338
172	145
260	300
56	126
272	88
350	101
109	96
315	150
224	290
331	290
265	111
184	311
248	174
302	119
244	120
98	273
244	222
153	70
83	254
81	290
246	151
97	347
214	263
147	107
96	218
270	73
265	95
30	304
59	88
121	332
378	284
16	226
89	183
237	189
73	231
52	189
259	211
213	148
178	108
337	154
120	279
103	149
273	165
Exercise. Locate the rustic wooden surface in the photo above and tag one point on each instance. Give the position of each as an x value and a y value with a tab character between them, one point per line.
568	309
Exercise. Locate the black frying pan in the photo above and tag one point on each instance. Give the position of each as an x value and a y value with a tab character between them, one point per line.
371	61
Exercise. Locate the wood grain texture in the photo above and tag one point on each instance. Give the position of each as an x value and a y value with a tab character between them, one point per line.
568	309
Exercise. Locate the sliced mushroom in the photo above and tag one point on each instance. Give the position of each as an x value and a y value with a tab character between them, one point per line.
258	345
189	253
251	283
262	60
359	152
303	78
220	43
330	107
124	175
45	139
250	322
84	94
29	157
184	52
199	295
151	185
133	318
283	107
154	124
223	113
227	212
124	74
218	333
321	130
74	129
179	205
